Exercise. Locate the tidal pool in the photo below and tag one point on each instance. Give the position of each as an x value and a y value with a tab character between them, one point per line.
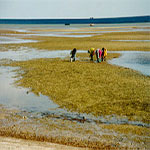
136	60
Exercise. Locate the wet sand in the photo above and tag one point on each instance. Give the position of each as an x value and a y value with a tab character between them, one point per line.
9	143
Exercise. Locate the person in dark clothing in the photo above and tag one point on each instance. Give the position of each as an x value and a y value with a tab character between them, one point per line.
73	55
103	54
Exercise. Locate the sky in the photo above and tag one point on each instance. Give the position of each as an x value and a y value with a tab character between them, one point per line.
73	8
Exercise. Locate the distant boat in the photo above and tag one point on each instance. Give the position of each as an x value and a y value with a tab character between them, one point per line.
92	24
67	24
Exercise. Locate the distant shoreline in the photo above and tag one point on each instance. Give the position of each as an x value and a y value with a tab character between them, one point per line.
134	19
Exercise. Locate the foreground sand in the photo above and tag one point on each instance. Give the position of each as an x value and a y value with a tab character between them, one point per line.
8	143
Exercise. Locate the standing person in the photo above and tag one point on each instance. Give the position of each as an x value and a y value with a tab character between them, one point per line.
73	55
91	51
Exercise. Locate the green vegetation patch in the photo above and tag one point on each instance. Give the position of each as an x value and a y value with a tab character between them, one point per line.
87	87
128	129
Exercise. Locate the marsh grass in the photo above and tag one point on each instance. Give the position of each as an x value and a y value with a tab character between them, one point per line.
128	129
86	87
97	41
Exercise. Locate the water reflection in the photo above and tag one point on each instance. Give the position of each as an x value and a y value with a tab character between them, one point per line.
13	40
17	97
136	60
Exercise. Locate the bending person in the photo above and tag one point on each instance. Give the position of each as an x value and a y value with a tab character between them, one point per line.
98	53
73	55
91	51
104	54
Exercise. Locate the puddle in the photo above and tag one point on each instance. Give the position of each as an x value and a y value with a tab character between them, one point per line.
136	60
13	40
18	97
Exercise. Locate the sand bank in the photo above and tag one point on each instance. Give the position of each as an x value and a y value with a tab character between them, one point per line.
8	143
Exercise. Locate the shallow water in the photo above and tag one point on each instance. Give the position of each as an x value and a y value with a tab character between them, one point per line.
132	40
24	53
52	34
30	29
13	40
23	27
65	34
136	60
17	97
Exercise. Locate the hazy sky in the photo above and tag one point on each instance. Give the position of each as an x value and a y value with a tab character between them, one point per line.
73	8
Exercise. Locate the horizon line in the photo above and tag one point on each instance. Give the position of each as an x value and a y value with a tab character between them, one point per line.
73	17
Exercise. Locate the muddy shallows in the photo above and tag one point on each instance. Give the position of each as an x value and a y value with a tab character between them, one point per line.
28	125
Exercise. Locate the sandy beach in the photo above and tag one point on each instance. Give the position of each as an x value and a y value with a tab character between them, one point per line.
9	143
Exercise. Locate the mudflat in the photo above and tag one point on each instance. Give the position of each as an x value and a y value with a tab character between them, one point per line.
116	97
9	143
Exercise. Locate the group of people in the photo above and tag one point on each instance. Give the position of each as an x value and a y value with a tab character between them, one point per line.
100	54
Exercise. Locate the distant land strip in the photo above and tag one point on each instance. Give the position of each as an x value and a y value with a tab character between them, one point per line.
135	19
